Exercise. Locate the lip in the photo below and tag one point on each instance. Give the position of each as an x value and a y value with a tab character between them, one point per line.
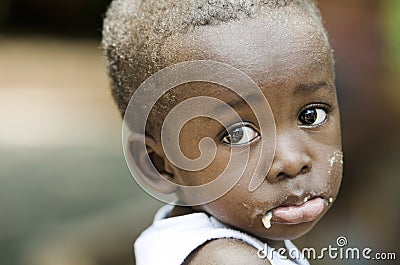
298	209
306	212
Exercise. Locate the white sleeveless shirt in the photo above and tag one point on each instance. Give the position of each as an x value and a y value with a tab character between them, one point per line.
169	241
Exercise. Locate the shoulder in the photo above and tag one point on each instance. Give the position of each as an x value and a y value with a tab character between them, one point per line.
225	251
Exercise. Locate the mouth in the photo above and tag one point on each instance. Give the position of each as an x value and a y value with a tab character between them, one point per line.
296	211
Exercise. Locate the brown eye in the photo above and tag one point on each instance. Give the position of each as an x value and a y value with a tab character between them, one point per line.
240	135
312	116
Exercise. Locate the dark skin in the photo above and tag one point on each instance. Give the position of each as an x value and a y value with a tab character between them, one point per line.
291	62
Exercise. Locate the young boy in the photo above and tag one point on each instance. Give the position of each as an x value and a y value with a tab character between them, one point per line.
290	129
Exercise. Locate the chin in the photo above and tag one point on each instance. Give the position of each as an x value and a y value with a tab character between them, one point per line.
289	232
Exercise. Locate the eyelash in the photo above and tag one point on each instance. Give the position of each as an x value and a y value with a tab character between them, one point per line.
325	106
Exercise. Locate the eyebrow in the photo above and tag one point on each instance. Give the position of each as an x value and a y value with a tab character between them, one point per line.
236	103
311	87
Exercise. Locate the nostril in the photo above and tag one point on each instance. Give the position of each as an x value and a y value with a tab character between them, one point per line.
290	172
304	169
281	175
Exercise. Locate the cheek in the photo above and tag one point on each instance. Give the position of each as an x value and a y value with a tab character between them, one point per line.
335	171
327	156
209	183
236	208
327	170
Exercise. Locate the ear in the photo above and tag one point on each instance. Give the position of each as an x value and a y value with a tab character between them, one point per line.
148	160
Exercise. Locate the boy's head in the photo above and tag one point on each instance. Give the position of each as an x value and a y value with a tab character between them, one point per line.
283	47
136	32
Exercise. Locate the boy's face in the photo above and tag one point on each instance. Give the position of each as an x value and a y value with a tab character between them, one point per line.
290	61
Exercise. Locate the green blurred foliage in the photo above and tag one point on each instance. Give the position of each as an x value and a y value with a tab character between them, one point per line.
391	29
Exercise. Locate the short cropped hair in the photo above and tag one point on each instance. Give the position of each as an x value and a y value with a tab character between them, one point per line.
134	32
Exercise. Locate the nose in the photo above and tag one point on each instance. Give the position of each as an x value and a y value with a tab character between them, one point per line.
291	159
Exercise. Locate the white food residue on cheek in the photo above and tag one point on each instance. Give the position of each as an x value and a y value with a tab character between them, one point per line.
337	157
266	220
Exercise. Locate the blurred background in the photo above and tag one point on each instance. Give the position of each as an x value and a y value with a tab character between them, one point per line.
66	195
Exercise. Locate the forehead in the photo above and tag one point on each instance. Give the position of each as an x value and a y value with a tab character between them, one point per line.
273	47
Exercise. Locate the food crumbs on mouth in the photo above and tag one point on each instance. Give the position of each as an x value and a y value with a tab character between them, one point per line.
330	200
266	220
